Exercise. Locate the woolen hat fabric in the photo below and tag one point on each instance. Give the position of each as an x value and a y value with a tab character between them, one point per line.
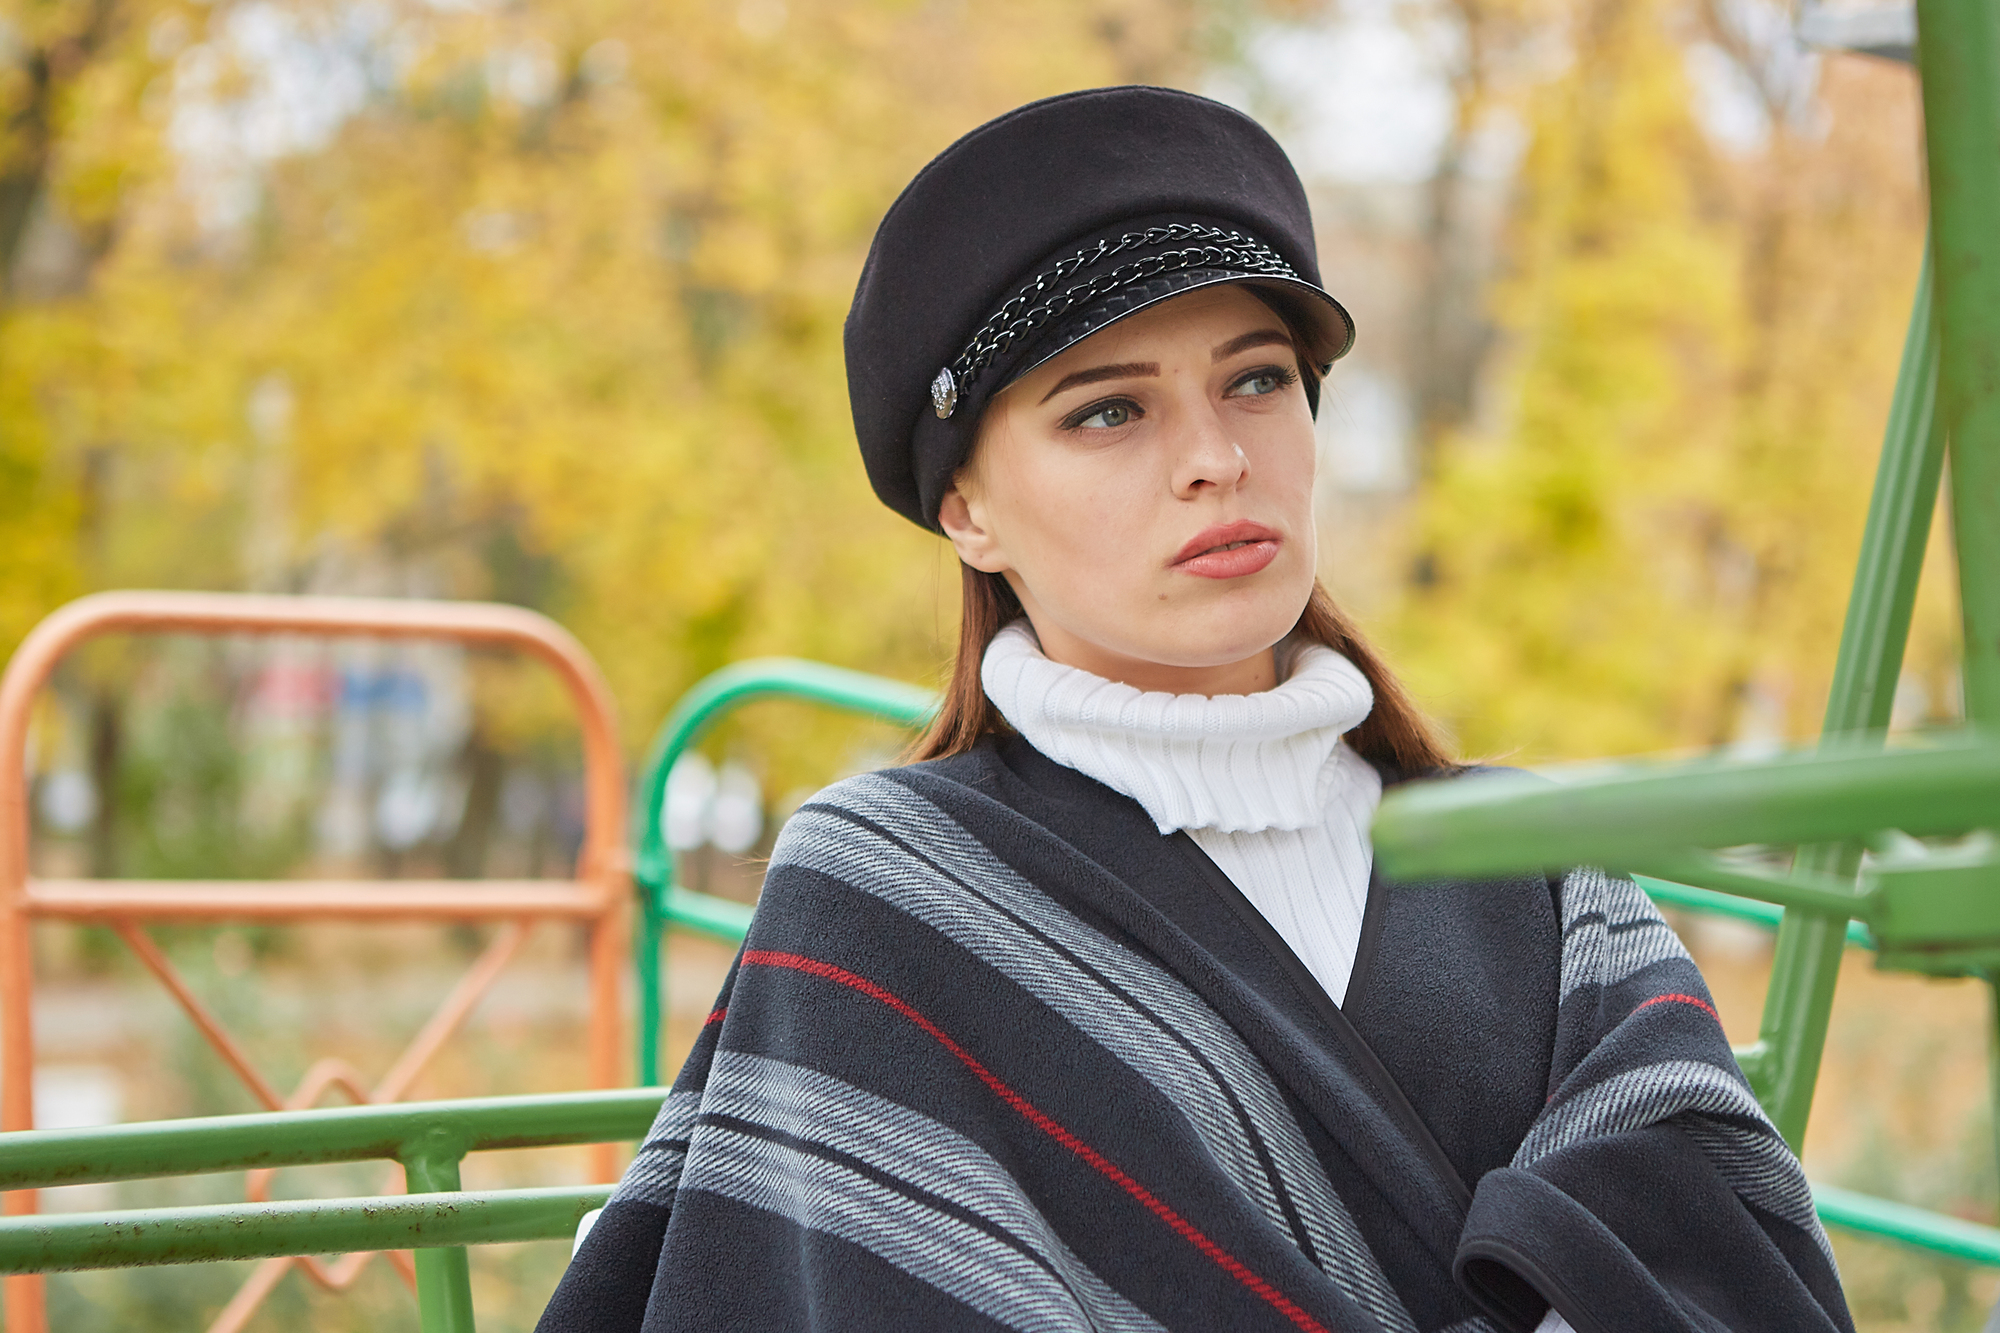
1040	228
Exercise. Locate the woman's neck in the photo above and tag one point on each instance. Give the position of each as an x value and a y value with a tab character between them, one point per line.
1252	675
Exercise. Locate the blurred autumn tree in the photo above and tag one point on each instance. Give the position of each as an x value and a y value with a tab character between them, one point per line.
1646	541
542	302
532	301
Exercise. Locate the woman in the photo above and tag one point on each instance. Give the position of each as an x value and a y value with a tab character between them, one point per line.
1097	1017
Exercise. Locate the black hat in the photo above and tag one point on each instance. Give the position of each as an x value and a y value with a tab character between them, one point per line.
1037	229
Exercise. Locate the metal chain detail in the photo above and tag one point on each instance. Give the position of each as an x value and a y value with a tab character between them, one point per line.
1218	248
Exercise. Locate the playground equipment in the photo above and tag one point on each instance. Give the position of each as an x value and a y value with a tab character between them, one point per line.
1929	910
595	897
1933	911
428	1138
663	902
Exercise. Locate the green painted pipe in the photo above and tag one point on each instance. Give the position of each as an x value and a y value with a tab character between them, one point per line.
722	692
721	917
1710	902
1508	823
1899	1222
444	1272
1798	1001
1958	54
1817	893
661	901
37	1158
65	1242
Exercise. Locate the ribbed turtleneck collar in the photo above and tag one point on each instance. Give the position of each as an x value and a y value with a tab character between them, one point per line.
1229	762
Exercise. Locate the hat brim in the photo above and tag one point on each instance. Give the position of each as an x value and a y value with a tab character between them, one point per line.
1309	309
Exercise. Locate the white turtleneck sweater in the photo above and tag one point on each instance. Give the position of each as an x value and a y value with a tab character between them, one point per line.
1264	783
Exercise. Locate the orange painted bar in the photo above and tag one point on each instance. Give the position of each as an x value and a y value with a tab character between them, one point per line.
294	900
598	893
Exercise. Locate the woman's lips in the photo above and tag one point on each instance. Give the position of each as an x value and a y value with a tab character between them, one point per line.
1228	551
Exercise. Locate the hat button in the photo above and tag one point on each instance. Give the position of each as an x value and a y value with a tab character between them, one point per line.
944	393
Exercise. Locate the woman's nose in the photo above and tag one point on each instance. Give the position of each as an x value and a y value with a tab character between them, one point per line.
1209	458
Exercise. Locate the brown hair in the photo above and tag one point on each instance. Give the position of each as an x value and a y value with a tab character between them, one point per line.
1395	734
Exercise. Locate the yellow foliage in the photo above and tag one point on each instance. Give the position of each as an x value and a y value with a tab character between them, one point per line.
1647	544
554	316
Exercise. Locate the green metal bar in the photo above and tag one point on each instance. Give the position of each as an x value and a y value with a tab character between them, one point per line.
36	1159
1993	1049
1505	824
1918	1227
1783	1064
1959	56
723	691
1958	53
64	1242
720	917
1810	892
444	1275
700	708
1711	902
70	1242
1898	529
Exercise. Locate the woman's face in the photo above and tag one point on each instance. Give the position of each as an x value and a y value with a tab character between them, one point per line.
1148	495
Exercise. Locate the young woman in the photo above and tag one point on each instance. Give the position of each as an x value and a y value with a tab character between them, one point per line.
1097	1017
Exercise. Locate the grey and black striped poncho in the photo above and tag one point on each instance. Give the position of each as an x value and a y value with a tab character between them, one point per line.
998	1055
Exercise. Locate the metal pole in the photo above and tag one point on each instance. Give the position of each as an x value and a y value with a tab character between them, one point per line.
1784	1064
1958	52
707	702
444	1276
607	1007
1992	984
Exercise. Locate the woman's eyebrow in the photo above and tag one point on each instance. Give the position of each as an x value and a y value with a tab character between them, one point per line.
1096	373
1244	342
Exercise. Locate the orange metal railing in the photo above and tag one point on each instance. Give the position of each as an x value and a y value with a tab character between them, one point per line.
596	895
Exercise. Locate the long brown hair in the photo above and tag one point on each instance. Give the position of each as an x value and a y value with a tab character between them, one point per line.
1396	734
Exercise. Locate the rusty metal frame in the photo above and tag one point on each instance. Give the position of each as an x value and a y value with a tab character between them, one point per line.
596	896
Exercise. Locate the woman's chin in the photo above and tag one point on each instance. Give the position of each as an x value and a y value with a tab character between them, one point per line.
1202	641
1217	630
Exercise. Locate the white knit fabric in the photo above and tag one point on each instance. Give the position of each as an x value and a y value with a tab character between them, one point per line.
1262	782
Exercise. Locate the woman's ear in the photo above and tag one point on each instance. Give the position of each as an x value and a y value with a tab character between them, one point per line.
964	521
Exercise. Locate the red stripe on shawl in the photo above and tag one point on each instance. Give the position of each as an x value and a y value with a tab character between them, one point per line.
1694	1000
1222	1259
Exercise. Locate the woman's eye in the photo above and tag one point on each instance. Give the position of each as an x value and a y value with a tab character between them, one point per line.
1103	416
1257	384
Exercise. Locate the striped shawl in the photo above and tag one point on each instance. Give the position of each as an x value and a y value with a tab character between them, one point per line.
998	1055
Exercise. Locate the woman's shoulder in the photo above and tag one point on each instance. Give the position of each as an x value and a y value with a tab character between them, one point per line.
894	800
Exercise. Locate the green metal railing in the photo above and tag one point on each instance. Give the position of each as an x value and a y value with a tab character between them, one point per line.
437	1219
663	902
1935	911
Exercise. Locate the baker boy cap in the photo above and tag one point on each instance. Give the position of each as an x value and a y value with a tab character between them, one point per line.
1043	226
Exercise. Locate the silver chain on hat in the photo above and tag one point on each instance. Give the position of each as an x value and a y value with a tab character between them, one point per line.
1220	248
